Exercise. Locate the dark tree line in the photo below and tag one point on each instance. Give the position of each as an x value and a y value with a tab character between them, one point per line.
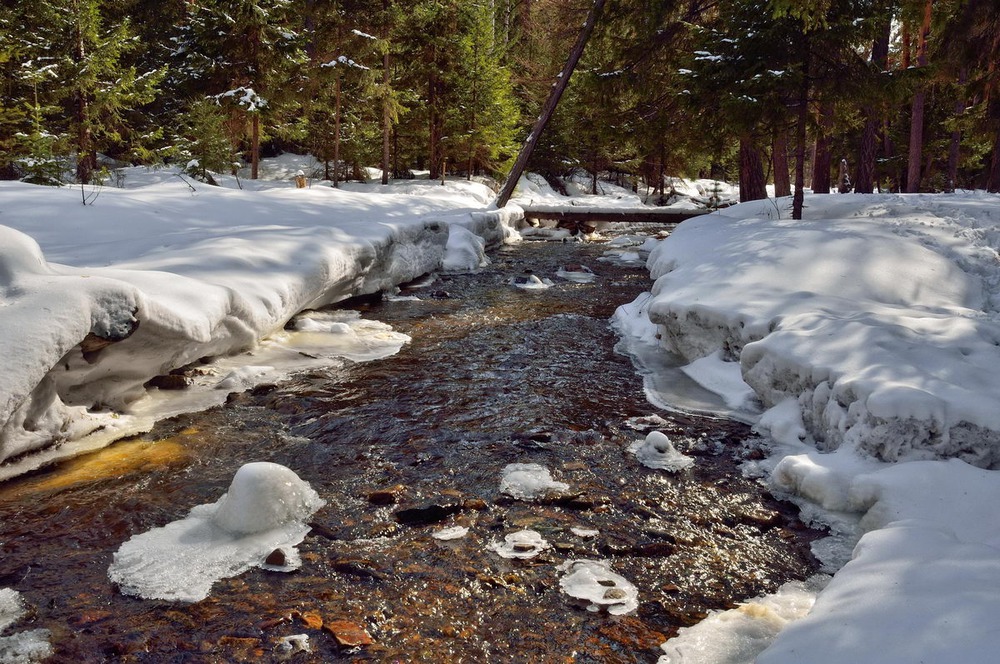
903	92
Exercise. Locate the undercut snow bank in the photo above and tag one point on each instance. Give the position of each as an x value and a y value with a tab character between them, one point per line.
96	300
878	314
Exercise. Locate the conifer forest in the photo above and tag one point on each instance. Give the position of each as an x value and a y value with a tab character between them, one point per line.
866	95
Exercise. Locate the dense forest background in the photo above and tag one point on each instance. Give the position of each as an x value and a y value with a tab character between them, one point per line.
769	91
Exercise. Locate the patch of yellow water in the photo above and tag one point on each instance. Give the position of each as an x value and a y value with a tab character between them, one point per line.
126	457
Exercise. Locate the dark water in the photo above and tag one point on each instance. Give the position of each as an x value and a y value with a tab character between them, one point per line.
494	375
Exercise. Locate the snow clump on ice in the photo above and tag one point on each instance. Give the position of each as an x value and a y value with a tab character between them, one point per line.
593	583
522	544
22	647
263	511
526	481
656	451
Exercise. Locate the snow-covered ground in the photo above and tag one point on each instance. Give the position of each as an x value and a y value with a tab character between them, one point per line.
97	299
870	334
863	343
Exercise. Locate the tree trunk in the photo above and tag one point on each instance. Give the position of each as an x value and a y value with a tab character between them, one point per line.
432	127
993	182
917	112
779	161
954	149
254	146
386	107
336	131
550	105
798	198
822	161
866	176
85	165
752	184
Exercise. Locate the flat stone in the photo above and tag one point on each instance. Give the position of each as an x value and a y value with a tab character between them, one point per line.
388	496
420	516
348	634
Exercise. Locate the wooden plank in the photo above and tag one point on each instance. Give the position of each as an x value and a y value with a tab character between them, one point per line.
653	216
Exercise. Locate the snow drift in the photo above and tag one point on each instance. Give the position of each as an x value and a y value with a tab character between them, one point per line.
878	315
96	300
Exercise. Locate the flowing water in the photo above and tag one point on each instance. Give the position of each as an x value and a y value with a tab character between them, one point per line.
494	375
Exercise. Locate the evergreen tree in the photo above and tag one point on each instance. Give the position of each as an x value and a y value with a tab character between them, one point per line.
246	56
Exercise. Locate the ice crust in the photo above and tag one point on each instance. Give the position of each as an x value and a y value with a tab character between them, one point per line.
598	587
522	544
656	451
264	509
527	481
21	647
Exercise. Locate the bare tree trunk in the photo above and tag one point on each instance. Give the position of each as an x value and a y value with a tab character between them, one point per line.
85	165
917	113
954	149
866	176
822	161
386	107
798	198
336	131
255	146
550	105
993	182
779	160
752	184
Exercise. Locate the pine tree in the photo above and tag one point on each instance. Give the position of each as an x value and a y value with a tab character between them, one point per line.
246	56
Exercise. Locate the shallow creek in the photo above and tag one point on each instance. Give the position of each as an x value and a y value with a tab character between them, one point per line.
494	375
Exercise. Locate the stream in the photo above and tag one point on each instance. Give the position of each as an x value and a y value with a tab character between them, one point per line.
401	448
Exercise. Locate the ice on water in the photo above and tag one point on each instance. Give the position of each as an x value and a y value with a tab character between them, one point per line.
598	587
521	544
21	647
527	481
656	451
264	509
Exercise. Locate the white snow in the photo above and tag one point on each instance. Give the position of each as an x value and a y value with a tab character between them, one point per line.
658	452
522	544
21	647
264	510
97	299
596	586
870	332
527	481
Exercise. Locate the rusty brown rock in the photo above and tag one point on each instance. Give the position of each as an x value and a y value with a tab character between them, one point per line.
387	496
347	633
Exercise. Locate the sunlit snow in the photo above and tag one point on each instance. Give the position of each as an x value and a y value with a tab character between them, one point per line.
264	510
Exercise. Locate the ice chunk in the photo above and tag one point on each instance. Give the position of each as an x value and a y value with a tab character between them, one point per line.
580	274
586	533
738	635
656	451
343	333
522	544
243	378
289	646
526	481
264	496
455	532
531	282
23	647
264	510
598	587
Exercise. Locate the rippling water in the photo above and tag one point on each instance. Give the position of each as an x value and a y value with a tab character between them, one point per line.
494	375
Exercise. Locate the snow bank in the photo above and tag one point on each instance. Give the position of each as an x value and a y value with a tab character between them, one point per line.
879	315
870	332
263	511
95	300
